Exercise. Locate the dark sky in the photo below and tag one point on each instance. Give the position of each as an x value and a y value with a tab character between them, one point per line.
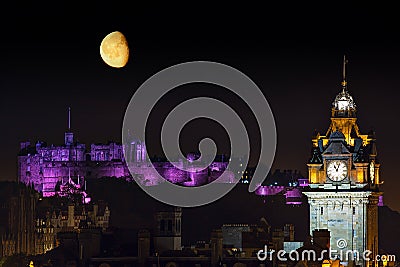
50	60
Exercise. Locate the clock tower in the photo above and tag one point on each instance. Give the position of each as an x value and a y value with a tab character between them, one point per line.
344	181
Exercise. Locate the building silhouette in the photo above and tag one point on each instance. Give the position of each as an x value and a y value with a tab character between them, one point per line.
28	226
18	213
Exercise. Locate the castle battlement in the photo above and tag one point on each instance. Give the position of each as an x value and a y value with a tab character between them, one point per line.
47	167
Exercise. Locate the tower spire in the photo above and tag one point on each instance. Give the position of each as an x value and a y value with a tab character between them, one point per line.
69	118
344	83
69	136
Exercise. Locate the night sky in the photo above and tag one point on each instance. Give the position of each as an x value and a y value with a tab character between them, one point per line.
50	60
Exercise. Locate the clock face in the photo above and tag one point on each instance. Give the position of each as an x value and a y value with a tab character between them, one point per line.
336	170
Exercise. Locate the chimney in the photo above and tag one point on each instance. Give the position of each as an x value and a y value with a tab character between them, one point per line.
216	246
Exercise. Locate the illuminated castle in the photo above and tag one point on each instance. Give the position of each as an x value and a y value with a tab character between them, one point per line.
344	183
49	167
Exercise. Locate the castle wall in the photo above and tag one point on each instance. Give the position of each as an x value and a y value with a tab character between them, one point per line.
103	152
47	166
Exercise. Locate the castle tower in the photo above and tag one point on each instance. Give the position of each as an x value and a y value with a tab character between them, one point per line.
344	183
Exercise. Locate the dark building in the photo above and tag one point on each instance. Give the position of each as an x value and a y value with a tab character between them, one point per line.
17	219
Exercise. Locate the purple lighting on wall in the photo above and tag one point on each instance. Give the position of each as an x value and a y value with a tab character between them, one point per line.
294	202
192	157
293	193
303	182
293	196
175	175
380	201
269	190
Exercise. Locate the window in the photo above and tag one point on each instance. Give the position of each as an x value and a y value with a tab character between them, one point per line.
162	225
322	210
169	225
354	210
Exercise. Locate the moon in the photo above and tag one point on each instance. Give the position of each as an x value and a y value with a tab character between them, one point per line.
114	50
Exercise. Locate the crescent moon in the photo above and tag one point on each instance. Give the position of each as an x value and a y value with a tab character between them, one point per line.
114	50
